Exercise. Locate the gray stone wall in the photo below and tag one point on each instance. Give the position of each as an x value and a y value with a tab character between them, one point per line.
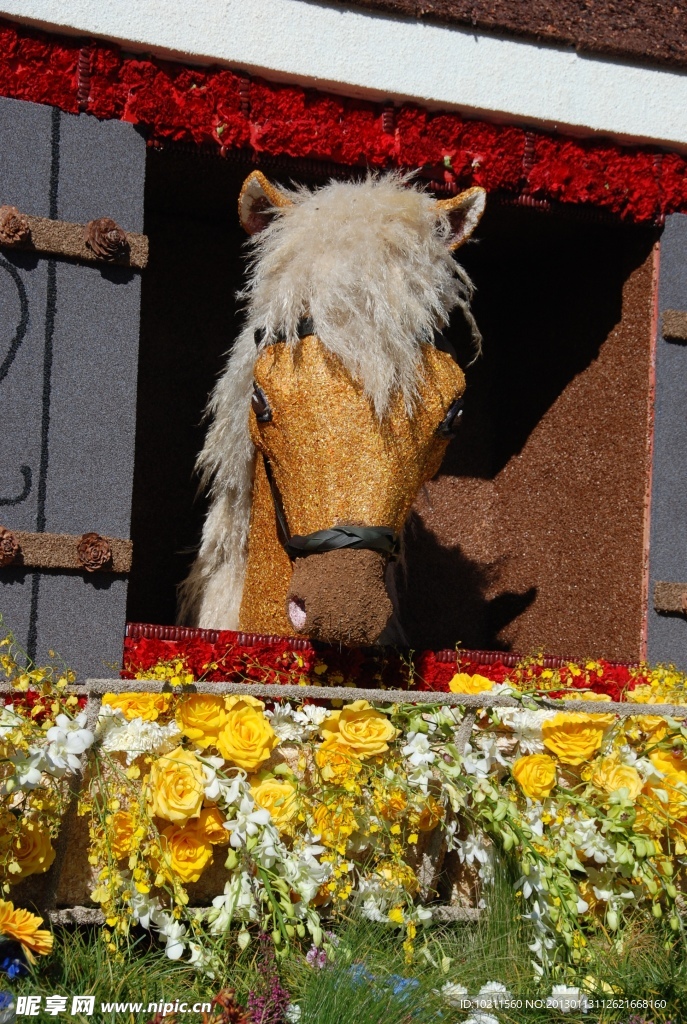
68	372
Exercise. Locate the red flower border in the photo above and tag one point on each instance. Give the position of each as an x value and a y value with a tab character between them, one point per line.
224	655
229	111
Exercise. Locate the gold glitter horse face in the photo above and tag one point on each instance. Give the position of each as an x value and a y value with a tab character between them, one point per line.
335	463
351	405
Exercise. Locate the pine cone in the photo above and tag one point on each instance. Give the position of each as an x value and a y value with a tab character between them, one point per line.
9	546
94	552
105	238
14	228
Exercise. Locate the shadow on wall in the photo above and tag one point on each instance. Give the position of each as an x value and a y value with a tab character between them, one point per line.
454	602
555	419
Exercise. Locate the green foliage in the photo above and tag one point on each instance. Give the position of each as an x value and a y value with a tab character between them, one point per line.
365	984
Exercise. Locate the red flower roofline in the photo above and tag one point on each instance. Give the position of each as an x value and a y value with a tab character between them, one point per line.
230	111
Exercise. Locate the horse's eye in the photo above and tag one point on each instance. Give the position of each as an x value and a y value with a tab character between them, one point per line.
261	407
451	421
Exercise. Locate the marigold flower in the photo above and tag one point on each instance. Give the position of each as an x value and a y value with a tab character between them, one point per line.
24	927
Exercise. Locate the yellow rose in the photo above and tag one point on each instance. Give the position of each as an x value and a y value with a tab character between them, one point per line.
575	736
176	786
139	705
121	833
664	806
361	728
464	683
33	850
337	762
612	776
211	824
278	796
200	717
536	775
185	852
246	738
670	764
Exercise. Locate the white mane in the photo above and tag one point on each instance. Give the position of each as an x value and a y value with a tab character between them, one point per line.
370	263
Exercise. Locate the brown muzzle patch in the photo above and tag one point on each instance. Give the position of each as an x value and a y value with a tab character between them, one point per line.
340	597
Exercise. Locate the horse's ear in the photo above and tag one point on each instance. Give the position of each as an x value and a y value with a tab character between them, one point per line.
464	212
257	202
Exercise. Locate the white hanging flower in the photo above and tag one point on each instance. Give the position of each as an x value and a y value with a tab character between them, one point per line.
69	739
567	998
418	749
454	994
221	790
247	822
293	1013
28	771
138	737
311	716
527	727
493	994
473	849
283	723
9	720
173	932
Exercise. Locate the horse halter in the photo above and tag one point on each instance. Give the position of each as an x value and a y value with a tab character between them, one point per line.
370	538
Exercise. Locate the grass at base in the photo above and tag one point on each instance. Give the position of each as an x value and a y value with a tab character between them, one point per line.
636	967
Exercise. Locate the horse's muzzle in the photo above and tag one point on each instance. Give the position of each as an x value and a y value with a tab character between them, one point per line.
340	597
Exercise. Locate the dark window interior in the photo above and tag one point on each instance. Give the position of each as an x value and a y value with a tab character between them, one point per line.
504	543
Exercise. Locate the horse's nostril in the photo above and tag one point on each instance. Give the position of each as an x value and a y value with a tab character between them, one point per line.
297	612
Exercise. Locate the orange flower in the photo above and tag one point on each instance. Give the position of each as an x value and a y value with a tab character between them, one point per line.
24	928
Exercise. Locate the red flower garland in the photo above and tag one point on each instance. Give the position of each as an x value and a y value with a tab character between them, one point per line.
232	657
222	108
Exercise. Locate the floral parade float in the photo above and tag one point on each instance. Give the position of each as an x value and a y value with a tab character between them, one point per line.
231	787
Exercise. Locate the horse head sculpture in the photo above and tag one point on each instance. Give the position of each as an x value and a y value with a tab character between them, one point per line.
336	405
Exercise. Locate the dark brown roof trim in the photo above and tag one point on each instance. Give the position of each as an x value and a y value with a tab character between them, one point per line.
649	31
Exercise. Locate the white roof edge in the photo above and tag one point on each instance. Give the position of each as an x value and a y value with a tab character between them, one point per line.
359	53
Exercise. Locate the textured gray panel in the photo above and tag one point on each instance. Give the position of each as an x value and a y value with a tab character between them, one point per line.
106	168
667	635
68	396
25	164
23	283
93	403
82	618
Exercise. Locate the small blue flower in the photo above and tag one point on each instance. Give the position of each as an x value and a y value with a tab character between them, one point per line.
402	987
6	1000
12	960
